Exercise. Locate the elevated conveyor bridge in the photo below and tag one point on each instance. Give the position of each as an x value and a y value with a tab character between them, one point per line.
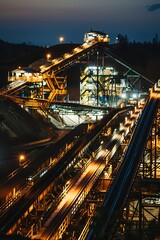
50	83
106	221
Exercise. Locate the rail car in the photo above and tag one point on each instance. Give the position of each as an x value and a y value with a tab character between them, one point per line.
96	36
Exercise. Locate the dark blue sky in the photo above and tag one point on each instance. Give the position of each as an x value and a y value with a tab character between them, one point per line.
42	22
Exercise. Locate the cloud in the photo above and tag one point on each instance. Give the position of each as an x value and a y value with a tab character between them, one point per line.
153	7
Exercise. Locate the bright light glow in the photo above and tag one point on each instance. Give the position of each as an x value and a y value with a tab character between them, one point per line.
30	178
135	95
61	39
21	159
124	95
41	175
48	56
106	175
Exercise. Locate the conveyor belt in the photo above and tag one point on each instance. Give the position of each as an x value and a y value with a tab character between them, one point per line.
106	221
21	206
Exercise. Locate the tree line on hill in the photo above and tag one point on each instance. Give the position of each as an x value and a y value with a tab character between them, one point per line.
123	39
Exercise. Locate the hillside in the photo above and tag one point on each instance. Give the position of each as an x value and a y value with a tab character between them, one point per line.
14	55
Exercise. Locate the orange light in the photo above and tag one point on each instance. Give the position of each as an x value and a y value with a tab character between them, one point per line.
21	158
48	56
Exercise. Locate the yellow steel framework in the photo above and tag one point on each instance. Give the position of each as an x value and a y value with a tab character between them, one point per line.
49	83
49	88
56	85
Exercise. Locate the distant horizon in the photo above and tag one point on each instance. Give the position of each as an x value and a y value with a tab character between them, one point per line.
78	42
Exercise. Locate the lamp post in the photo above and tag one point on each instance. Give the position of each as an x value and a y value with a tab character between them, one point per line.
61	39
48	56
21	159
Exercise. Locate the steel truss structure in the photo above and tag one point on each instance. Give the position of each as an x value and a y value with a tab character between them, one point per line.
141	215
50	84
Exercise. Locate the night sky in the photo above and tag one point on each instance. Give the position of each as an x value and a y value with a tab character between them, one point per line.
42	22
